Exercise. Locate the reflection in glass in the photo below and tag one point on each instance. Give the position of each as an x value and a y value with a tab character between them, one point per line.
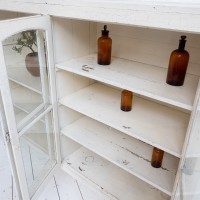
24	55
37	147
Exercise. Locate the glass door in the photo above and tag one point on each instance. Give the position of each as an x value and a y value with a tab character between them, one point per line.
28	94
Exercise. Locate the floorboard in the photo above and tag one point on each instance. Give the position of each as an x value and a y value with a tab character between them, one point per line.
64	187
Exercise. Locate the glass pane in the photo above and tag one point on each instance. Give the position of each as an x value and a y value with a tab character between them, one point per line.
25	61
20	114
38	152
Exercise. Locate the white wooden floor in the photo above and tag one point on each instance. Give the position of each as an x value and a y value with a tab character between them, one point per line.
64	187
61	186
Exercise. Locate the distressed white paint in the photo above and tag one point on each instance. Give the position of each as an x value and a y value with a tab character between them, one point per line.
129	154
111	180
181	17
143	79
150	122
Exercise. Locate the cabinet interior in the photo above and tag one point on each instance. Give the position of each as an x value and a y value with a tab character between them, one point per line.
96	136
101	145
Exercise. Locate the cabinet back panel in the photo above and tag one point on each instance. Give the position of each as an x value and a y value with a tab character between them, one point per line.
151	46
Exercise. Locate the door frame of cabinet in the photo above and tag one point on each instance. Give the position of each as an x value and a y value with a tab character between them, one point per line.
4	132
9	28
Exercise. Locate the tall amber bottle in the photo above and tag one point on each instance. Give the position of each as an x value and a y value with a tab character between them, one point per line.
178	64
104	48
157	157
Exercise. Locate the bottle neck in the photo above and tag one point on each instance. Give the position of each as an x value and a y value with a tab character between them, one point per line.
181	46
104	35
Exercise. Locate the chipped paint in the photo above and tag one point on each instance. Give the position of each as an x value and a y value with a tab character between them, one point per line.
163	168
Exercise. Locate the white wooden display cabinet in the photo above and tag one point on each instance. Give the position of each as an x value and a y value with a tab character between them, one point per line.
91	138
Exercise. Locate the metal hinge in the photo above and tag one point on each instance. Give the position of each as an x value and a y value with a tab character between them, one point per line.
7	136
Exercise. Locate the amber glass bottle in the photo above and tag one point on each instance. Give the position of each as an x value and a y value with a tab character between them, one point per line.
104	48
157	157
126	100
178	64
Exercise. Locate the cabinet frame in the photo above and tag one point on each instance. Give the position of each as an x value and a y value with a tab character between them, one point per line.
194	109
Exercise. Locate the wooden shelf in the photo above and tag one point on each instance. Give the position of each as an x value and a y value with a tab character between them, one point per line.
124	151
21	76
143	79
111	180
155	124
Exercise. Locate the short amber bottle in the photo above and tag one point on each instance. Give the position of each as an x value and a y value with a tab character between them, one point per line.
178	64
104	48
157	157
126	100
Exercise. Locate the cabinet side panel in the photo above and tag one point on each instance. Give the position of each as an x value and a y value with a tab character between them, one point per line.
73	38
68	83
68	146
67	116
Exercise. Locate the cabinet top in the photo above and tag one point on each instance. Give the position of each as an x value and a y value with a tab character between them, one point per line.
178	15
